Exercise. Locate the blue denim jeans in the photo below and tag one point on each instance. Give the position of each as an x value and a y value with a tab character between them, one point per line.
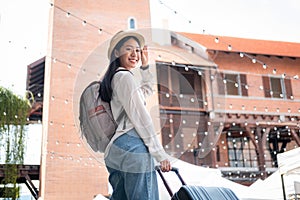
131	169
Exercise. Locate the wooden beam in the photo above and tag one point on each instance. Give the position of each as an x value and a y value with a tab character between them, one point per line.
295	137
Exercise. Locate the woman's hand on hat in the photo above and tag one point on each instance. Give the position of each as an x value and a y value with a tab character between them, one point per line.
144	56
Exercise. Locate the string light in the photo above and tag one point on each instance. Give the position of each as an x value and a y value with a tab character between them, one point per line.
83	21
229	47
174	11
264	66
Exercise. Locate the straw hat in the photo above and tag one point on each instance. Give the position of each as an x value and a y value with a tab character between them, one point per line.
122	34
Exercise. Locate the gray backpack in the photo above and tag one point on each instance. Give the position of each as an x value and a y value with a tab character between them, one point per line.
97	123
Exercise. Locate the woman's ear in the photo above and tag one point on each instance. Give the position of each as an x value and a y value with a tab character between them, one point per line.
116	52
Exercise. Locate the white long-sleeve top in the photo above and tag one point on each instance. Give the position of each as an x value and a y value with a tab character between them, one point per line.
129	96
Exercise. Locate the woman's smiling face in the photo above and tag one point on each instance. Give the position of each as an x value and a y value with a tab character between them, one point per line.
129	54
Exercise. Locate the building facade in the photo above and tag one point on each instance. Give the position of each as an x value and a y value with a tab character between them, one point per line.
249	104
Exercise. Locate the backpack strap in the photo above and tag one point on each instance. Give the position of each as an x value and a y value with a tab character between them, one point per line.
123	111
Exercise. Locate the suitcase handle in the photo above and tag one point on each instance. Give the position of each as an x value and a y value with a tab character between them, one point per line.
173	169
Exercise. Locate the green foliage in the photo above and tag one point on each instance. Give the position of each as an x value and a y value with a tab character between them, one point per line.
13	119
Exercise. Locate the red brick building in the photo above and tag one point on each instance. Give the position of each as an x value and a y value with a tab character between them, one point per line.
219	105
249	104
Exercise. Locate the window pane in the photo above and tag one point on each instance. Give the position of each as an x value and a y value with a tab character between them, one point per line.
243	84
239	152
231	81
288	88
276	88
186	83
131	23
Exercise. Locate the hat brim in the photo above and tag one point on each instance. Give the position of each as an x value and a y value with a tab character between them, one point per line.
122	34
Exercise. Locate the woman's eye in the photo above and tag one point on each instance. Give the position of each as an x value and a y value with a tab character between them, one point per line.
129	49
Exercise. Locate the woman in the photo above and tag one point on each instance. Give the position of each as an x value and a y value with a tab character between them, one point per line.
129	155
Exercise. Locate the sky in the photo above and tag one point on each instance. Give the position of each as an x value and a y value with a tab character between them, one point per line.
23	39
257	19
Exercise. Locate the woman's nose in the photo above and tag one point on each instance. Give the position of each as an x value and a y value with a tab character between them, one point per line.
134	52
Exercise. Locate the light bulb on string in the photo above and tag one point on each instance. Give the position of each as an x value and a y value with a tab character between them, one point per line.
229	47
274	71
241	55
100	30
84	22
253	60
216	40
264	66
68	14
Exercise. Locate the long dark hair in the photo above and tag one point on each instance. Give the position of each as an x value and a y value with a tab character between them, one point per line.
105	86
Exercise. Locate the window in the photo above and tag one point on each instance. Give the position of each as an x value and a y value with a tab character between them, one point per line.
179	86
234	84
186	83
241	152
275	87
131	23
